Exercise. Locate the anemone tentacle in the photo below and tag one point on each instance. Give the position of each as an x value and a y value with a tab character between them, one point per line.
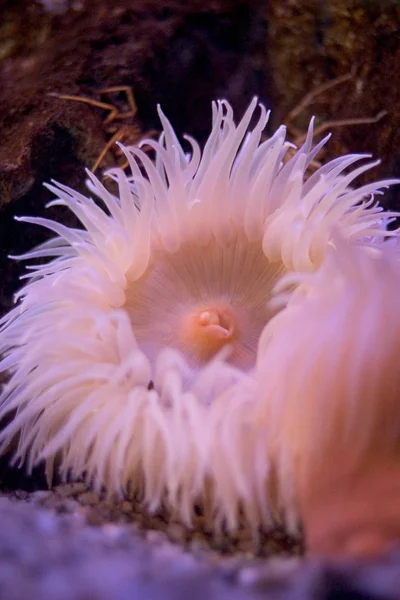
118	350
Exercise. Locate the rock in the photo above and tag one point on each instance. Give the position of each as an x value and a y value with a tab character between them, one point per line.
310	43
176	532
88	499
205	49
71	489
126	507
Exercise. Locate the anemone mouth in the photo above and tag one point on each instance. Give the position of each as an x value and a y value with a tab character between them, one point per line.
204	298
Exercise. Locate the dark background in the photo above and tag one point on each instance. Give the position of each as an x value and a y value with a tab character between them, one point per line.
181	54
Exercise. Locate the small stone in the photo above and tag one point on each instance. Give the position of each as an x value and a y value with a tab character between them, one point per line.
176	532
41	496
112	531
93	517
243	534
73	505
155	537
105	508
88	499
156	522
21	494
138	518
126	507
199	543
221	543
168	552
120	518
275	572
135	528
247	547
71	489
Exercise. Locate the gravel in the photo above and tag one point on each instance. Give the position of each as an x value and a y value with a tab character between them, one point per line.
65	544
97	510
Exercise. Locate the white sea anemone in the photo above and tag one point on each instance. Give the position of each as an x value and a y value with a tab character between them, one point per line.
132	353
338	411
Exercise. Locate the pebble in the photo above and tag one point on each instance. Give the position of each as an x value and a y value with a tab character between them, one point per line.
243	534
139	518
156	522
106	509
41	496
165	552
176	532
113	531
276	570
247	546
21	494
135	528
95	509
155	537
88	499
126	507
198	543
71	489
93	517
68	505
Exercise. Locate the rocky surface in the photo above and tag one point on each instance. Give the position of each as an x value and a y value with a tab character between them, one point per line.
47	555
179	54
97	509
310	43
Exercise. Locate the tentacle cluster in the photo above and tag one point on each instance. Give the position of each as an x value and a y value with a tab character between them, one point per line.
101	373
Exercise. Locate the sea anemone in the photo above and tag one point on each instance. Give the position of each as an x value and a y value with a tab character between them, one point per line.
132	353
338	411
